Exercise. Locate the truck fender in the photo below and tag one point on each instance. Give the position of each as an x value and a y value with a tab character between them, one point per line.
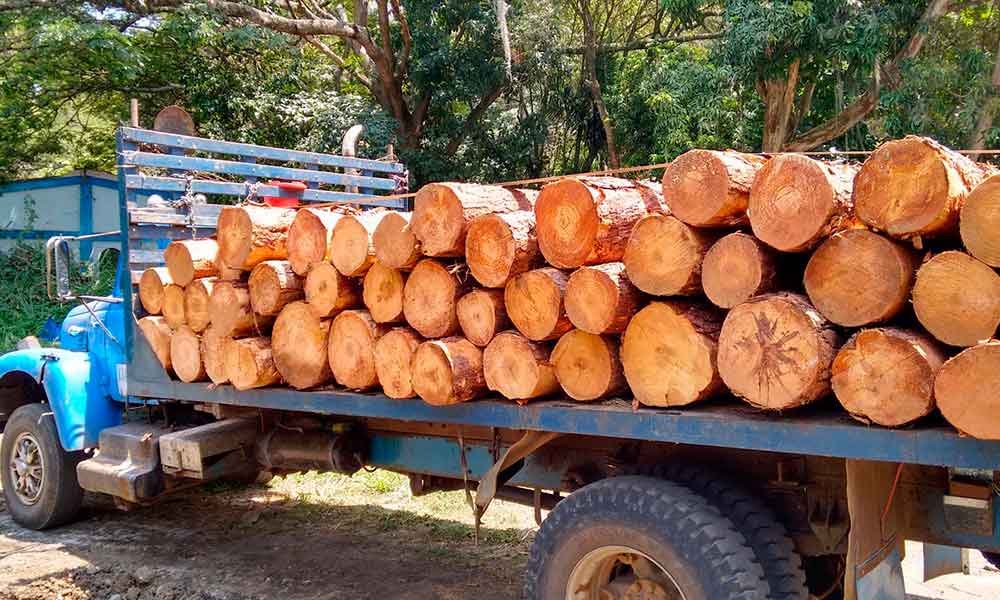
74	387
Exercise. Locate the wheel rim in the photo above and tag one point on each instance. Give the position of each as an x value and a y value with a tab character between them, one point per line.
27	468
620	573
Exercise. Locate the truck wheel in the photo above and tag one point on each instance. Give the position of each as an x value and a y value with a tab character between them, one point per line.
637	538
38	476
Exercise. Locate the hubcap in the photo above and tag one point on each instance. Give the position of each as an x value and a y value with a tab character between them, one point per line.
620	573
27	467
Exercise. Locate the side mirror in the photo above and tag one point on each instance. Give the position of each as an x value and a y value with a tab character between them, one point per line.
57	262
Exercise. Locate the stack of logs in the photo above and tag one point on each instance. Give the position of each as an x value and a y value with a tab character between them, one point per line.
778	279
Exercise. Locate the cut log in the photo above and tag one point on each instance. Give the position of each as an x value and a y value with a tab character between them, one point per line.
481	314
430	298
966	391
352	349
707	188
383	293
395	245
151	285
518	368
601	299
185	355
663	256
587	220
669	353
442	212
914	188
173	306
231	314
957	299
188	260
886	376
393	360
249	235
197	296
250	363
226	273
980	222
501	246
309	237
328	292
737	268
157	332
448	371
796	202
775	351
351	248
534	302
213	354
299	343
587	366
273	284
858	277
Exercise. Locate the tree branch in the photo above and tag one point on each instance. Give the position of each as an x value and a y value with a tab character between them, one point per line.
275	22
652	42
474	116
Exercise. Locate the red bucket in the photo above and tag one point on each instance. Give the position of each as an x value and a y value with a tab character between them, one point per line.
291	191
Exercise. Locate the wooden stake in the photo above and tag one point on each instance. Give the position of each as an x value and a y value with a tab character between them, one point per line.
957	299
299	344
173	306
980	222
587	366
481	314
501	246
185	355
534	302
518	368
383	293
430	298
395	245
197	296
151	284
663	256
249	235
190	259
966	391
736	268
250	363
352	349
393	357
601	299
448	371
707	188
273	284
328	292
351	248
157	332
309	237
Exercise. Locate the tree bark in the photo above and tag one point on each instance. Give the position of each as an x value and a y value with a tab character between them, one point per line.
518	368
448	371
395	245
190	259
707	188
249	235
736	268
231	313
601	299
273	284
957	299
501	246
353	335
197	296
151	287
587	366
663	256
250	363
157	332
534	302
185	355
979	222
965	388
430	298
309	237
351	247
482	314
393	359
299	343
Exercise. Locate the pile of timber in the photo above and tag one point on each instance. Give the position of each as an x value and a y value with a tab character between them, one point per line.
782	281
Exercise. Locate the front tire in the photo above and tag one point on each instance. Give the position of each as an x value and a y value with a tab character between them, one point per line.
38	476
641	537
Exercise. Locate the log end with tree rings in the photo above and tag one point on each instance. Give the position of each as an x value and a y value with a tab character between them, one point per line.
299	343
858	277
481	314
886	376
587	366
775	351
957	299
395	245
185	355
518	368
534	302
157	332
448	371
393	361
351	248
173	306
737	268
669	353
707	188
230	311
213	354
383	293
500	246
442	213
601	299
966	391
430	297
566	223
151	284
190	259
197	296
309	237
663	256
250	363
248	235
273	284
328	291
980	222
352	349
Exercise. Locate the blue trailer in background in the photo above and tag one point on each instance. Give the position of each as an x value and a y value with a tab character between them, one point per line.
712	502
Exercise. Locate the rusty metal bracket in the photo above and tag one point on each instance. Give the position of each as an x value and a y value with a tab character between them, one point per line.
499	474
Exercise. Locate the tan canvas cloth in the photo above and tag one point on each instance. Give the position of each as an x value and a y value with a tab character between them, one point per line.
875	543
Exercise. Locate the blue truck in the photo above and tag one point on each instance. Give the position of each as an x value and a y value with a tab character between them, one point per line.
712	502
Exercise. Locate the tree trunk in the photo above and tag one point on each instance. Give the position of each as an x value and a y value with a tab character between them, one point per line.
957	299
430	298
299	342
778	95
501	246
669	353
707	188
448	371
190	259
775	351
309	237
914	188
886	376
197	296
185	355
157	332
213	354
442	212
966	391
250	363
535	305
796	202
151	286
663	256
587	220
273	284
395	245
587	366
518	368
857	277
736	268
383	293
353	335
393	359
980	222
249	235
328	292
482	314
173	305
231	314
601	299
351	248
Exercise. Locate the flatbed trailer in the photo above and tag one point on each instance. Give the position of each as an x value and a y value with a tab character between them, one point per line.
712	501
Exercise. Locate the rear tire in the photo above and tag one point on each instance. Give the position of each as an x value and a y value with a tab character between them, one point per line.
650	522
38	476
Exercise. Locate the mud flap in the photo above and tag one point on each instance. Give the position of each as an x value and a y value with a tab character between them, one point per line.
875	544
